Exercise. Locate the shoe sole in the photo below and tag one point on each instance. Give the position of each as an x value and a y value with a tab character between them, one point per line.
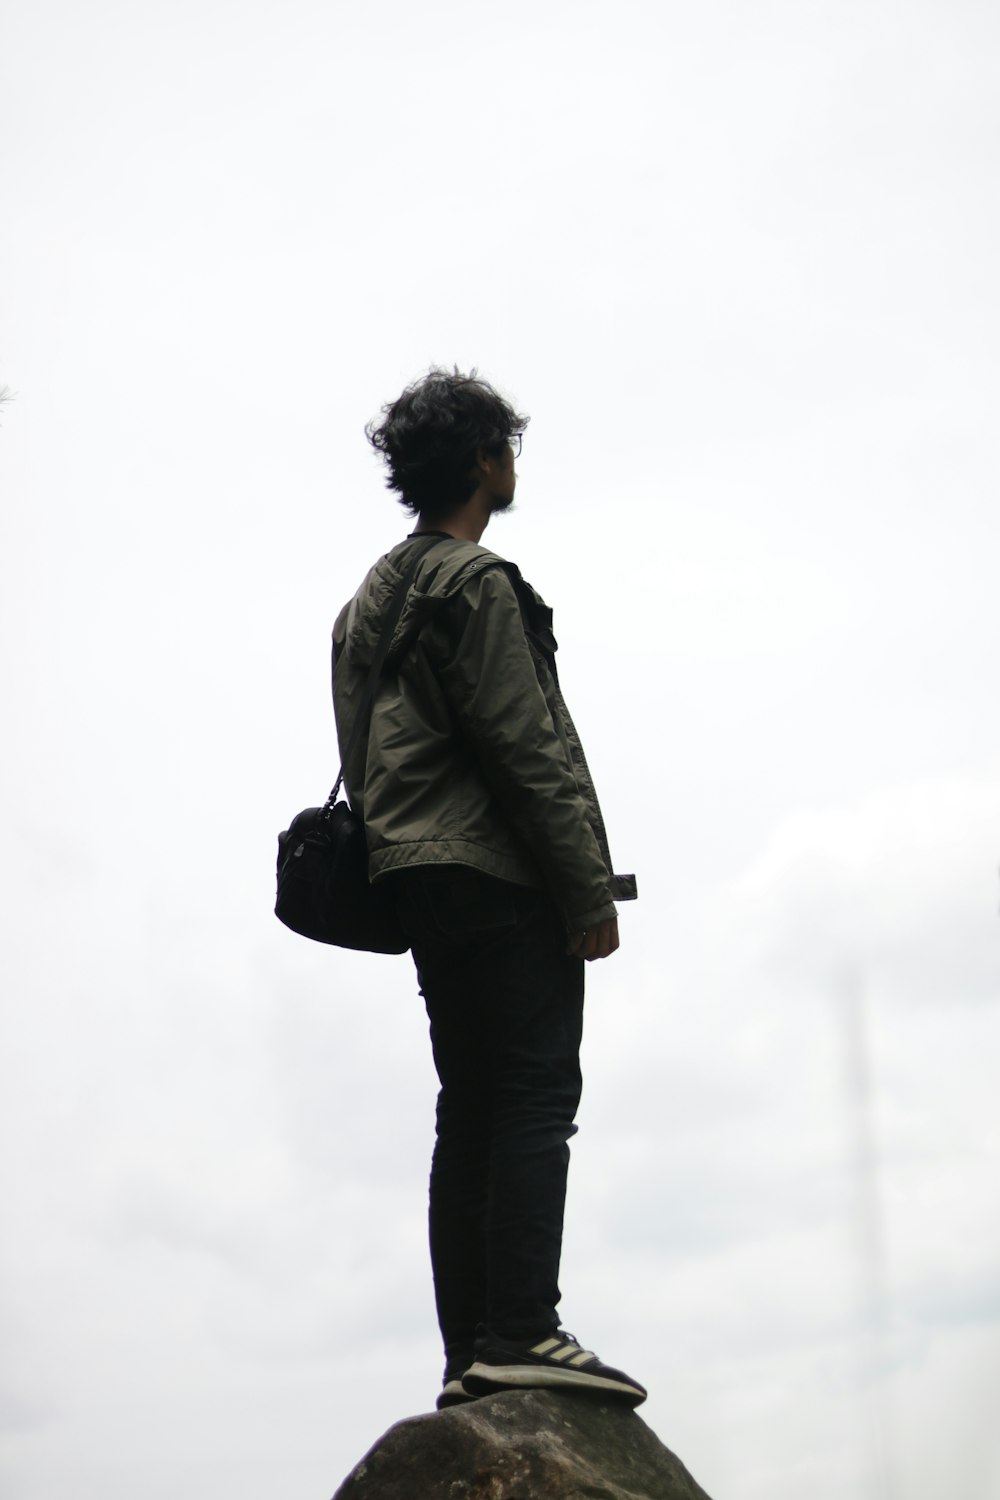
453	1395
486	1379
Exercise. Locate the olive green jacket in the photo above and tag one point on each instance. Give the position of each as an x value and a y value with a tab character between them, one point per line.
471	756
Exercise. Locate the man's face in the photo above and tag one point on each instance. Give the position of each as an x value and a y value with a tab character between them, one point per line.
503	480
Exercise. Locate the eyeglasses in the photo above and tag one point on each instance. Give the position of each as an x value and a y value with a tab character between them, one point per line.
515	442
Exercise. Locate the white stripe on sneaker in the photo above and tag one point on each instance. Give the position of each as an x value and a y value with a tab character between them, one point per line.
546	1346
558	1350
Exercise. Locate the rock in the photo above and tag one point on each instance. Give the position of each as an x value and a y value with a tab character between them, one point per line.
522	1445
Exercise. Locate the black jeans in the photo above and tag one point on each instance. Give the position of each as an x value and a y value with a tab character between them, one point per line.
505	1004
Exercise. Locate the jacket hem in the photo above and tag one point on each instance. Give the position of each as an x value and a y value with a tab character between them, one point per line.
450	852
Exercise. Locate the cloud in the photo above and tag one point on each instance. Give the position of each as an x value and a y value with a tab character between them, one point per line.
901	885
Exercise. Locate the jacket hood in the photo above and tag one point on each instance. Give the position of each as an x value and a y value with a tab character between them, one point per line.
446	565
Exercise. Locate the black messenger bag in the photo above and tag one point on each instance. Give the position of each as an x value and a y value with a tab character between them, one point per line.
323	888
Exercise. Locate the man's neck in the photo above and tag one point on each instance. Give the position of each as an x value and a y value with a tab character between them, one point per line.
467	524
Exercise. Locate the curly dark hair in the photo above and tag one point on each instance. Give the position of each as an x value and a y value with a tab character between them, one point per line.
430	435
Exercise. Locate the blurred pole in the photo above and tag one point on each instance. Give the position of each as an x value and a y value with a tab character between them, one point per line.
874	1375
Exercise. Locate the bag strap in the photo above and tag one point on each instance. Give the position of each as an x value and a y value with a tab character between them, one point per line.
378	662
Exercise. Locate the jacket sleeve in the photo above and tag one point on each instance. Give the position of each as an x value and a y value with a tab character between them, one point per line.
492	683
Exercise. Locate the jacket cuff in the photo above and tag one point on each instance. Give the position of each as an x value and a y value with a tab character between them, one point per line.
587	919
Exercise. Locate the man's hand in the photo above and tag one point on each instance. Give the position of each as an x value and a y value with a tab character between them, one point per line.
597	942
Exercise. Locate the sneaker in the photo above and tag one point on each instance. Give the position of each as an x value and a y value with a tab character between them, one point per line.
555	1362
453	1393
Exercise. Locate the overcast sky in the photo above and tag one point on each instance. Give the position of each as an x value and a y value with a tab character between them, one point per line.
738	261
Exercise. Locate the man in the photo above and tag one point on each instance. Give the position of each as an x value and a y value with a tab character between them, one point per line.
481	815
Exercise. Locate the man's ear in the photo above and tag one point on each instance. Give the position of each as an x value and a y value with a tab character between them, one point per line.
483	465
